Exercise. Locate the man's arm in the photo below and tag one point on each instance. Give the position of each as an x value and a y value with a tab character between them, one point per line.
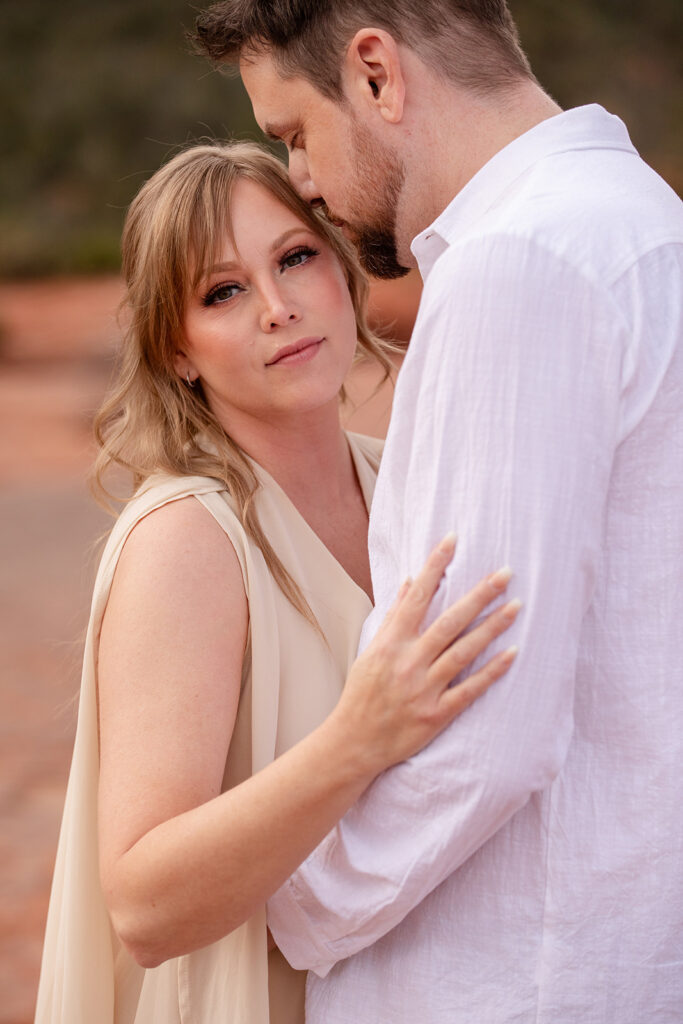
513	447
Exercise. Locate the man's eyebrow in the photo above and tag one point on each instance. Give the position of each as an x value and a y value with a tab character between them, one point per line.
271	131
276	132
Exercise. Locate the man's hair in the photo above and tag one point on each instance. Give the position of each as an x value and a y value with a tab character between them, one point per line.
472	42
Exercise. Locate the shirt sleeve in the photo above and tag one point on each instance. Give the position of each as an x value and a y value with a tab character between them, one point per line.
513	435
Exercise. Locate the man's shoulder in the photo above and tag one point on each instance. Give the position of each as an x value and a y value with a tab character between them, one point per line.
593	208
595	216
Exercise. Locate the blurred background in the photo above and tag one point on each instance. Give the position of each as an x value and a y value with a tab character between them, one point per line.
93	98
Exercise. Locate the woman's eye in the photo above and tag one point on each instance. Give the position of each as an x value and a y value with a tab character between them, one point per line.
221	293
297	257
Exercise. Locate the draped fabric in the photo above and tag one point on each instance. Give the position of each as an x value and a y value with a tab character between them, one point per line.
291	681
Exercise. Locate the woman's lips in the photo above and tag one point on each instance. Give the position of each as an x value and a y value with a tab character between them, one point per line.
299	352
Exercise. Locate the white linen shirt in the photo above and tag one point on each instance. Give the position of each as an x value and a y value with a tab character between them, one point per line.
527	866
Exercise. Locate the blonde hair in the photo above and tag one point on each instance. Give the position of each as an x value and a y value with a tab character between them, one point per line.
152	422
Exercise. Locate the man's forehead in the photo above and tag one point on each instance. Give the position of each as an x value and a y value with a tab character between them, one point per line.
258	67
262	77
278	101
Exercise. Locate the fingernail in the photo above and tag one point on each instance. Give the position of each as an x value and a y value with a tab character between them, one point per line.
448	543
512	607
511	653
501	578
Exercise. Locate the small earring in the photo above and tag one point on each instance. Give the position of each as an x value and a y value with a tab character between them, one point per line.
190	383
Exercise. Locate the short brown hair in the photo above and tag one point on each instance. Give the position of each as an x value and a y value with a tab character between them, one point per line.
472	42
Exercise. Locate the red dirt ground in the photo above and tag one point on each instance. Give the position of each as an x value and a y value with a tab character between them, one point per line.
57	339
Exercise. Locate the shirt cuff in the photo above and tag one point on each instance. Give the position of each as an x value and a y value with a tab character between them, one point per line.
294	933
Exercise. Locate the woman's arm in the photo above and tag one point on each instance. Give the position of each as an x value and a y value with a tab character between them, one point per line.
183	864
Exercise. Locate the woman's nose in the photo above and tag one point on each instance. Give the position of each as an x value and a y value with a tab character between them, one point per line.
278	310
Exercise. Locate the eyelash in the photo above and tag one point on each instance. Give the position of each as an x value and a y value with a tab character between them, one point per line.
211	296
301	250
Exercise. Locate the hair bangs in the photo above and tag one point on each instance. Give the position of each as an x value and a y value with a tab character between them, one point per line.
210	223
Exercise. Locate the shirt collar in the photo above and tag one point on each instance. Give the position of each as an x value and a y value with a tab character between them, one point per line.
588	127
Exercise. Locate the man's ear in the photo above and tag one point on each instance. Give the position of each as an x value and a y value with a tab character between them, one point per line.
374	73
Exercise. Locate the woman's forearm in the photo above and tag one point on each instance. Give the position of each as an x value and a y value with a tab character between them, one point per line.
191	880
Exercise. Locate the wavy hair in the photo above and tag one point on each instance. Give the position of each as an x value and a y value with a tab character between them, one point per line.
151	422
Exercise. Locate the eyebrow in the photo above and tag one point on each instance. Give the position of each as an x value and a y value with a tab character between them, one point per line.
219	268
276	132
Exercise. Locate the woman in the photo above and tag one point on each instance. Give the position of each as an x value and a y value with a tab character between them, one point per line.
223	726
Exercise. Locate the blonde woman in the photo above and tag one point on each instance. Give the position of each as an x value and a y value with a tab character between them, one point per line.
224	726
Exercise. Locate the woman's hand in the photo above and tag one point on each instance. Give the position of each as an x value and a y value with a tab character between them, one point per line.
398	695
169	685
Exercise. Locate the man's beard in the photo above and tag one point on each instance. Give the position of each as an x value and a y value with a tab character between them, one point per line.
380	176
376	249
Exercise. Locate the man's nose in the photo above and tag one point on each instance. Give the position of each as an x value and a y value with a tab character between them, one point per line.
300	177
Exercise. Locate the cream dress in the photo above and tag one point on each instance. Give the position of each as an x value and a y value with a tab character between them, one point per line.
291	680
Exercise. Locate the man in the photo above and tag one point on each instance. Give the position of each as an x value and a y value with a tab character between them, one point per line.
526	866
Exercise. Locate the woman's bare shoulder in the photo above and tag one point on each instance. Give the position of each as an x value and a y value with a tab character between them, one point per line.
180	548
180	526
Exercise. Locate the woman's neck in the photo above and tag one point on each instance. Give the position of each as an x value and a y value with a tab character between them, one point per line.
307	455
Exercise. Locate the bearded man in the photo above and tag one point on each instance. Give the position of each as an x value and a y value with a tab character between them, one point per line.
526	867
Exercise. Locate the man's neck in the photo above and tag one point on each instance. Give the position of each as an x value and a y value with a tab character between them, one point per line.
461	134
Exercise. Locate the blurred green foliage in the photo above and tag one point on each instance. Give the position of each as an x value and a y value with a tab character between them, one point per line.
95	96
